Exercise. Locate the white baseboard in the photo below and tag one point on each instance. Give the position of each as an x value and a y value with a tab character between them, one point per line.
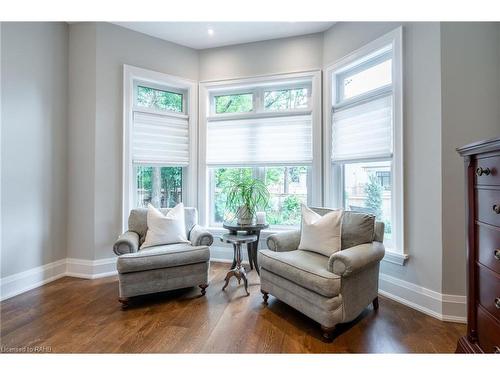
18	283
446	307
91	269
21	282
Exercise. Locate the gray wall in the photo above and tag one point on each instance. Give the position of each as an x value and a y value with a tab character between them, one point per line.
470	58
422	139
81	139
106	48
268	57
34	73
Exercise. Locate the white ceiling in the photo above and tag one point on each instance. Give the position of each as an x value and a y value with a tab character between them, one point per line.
195	34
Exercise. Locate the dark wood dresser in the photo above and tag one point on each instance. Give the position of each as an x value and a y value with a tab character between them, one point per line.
482	168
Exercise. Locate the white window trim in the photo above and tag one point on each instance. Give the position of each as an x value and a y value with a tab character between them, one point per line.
132	74
208	89
397	255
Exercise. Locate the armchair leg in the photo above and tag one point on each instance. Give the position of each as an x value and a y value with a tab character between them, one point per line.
265	296
203	287
375	303
125	302
327	333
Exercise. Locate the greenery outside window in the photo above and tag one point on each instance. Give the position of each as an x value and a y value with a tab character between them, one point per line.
286	99
160	186
286	184
157	99
364	191
235	103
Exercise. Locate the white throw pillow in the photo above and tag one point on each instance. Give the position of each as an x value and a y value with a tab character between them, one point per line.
320	234
165	229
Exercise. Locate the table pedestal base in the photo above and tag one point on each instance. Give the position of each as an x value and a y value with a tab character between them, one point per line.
239	273
238	270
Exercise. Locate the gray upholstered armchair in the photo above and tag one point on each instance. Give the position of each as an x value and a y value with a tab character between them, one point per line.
161	268
329	290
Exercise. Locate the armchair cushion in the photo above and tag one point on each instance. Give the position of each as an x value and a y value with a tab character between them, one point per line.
199	236
320	233
128	242
165	229
137	220
305	268
350	261
357	228
162	257
284	241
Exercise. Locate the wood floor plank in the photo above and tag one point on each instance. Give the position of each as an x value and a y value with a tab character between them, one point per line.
73	315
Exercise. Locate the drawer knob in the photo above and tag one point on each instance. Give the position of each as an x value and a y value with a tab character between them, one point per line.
497	254
496	208
480	171
497	302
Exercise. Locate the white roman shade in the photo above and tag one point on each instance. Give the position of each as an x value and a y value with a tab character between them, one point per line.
264	140
160	139
363	131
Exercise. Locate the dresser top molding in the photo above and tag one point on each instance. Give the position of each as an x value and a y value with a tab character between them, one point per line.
487	145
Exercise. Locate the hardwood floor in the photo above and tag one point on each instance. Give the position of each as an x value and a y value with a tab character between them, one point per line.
84	316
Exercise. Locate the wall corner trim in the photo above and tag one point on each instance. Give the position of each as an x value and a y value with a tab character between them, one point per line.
445	307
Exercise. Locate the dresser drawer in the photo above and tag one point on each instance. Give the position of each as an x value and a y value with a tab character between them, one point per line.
487	171
488	332
488	206
489	290
488	245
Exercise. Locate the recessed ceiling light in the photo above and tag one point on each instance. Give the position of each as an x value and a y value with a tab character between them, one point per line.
210	31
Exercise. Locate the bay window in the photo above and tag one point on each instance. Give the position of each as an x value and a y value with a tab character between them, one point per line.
364	135
158	140
267	128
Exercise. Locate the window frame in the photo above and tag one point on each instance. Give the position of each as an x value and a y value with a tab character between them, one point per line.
333	171
132	77
257	85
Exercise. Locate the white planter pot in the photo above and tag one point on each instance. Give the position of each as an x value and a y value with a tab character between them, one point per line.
244	216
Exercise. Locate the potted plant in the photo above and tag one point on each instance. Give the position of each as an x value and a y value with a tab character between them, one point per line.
245	195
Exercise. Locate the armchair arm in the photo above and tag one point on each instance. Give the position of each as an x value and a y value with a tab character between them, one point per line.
284	241
199	236
128	242
354	259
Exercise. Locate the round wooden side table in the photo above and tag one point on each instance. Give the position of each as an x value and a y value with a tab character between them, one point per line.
238	270
252	247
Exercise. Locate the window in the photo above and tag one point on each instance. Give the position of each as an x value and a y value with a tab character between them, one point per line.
158	142
365	135
356	82
384	179
160	186
219	179
364	191
279	100
267	131
287	187
149	97
237	103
